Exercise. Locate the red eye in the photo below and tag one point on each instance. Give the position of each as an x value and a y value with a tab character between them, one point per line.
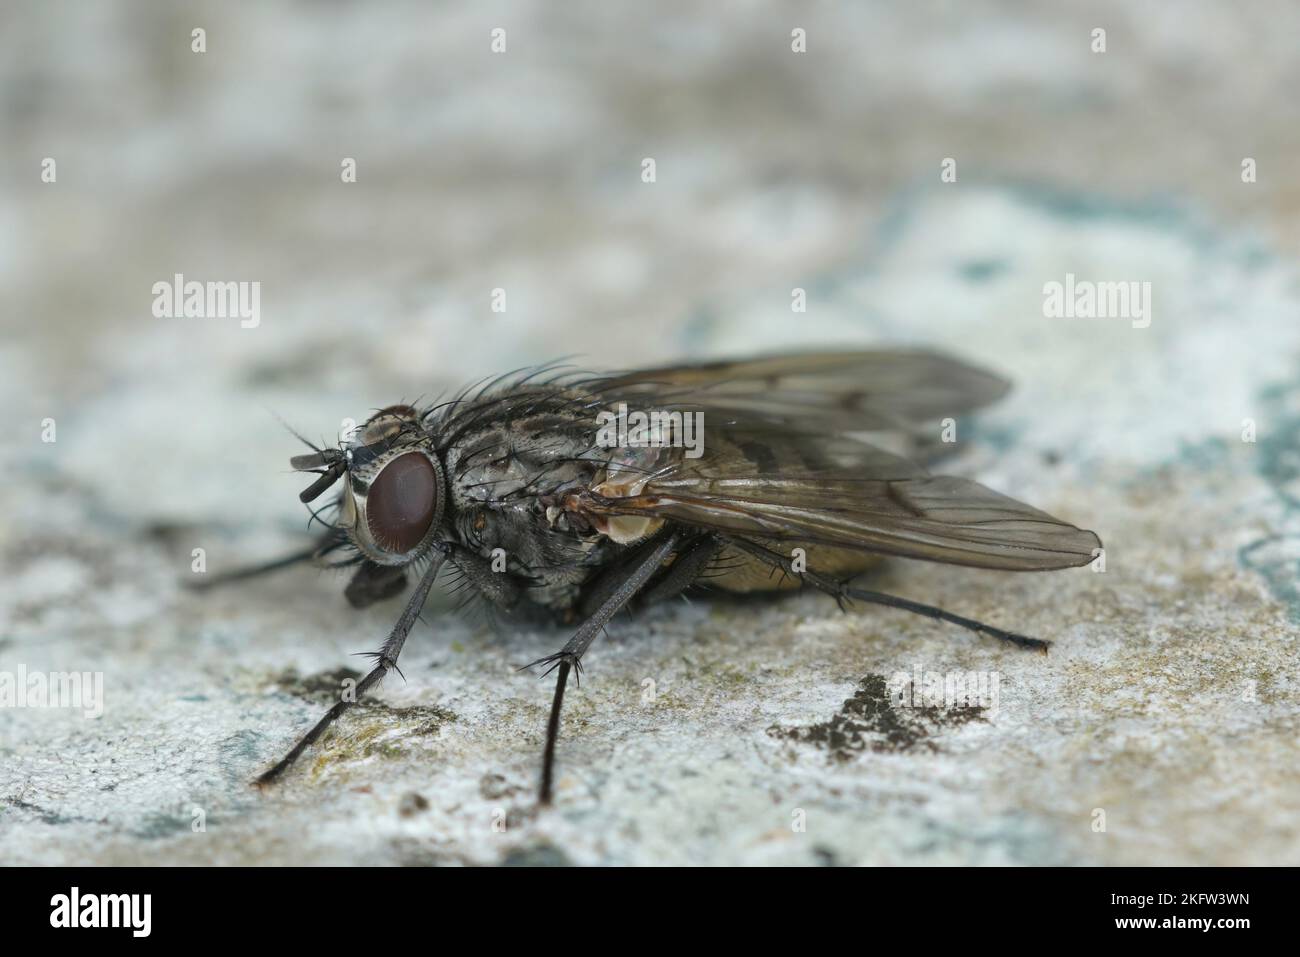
402	502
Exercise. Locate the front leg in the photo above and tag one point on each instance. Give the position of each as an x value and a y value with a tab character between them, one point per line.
386	661
570	656
371	583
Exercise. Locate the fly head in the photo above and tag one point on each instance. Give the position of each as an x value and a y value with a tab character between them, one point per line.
393	493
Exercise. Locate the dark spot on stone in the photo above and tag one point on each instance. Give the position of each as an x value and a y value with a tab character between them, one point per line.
323	686
494	787
412	804
825	857
869	721
170	533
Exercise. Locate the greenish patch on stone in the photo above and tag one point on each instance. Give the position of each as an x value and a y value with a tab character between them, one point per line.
536	855
374	730
1276	558
159	825
977	271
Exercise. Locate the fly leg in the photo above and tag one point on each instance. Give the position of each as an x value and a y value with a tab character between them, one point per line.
500	588
685	571
386	661
692	560
845	594
569	658
373	582
323	546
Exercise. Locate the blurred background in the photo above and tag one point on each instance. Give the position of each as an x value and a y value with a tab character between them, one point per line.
522	171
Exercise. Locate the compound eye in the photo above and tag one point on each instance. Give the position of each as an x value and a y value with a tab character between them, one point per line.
402	502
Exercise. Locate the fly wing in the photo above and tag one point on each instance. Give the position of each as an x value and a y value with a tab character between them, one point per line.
827	392
824	490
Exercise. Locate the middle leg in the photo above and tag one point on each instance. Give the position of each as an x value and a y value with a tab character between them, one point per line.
569	658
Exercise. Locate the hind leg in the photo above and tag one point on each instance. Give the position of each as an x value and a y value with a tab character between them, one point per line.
844	593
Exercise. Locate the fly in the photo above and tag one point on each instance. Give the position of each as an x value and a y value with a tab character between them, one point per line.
741	474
